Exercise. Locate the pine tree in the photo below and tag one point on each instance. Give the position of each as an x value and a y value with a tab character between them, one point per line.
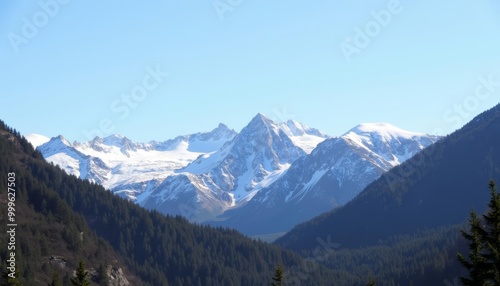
278	276
477	265
484	245
491	236
81	278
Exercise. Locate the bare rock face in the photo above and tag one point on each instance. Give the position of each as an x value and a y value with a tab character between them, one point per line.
58	261
116	277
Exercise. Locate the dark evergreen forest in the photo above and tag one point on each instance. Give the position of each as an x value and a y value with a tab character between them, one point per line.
61	215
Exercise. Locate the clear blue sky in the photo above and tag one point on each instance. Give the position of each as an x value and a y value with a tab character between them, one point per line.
420	69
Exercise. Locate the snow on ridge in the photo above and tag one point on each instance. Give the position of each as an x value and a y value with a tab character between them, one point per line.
36	139
385	141
302	136
386	130
129	168
307	142
251	161
294	128
219	170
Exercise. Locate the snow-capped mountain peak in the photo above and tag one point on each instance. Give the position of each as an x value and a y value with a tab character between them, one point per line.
391	144
36	139
334	173
262	140
287	169
116	140
54	145
303	136
254	159
295	128
61	152
384	130
110	144
261	122
219	132
127	167
210	141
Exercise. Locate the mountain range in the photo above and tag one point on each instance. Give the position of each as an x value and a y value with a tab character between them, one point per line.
438	187
403	228
129	168
62	221
332	175
264	179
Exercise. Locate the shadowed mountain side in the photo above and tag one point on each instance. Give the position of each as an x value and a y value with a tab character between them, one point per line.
437	187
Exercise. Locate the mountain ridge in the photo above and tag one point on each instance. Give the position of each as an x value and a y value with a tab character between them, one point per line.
232	174
131	168
411	196
333	174
211	187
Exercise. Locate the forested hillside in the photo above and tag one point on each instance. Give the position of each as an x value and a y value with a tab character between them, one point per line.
50	236
430	192
437	187
426	257
159	250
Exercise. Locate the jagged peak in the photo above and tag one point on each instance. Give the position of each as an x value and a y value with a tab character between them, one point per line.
295	128
115	136
221	129
55	145
260	115
115	139
222	126
293	122
59	139
261	120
